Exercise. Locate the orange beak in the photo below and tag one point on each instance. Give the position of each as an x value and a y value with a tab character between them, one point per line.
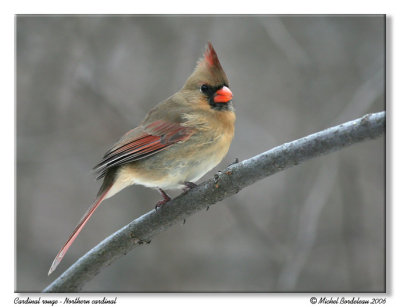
223	95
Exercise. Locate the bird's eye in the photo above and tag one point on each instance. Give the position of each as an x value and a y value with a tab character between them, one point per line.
204	88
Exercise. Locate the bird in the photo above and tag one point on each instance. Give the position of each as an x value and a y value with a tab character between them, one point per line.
177	143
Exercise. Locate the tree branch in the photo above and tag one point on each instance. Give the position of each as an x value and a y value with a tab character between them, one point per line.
223	185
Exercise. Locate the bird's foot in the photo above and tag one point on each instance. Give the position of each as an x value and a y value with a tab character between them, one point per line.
188	186
163	201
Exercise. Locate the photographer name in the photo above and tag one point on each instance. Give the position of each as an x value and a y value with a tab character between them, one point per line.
344	300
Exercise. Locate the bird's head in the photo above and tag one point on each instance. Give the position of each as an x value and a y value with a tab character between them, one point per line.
208	83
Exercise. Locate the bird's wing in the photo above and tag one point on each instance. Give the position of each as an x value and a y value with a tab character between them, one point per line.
143	142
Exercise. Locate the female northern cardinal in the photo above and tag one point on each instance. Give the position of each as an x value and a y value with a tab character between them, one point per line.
180	140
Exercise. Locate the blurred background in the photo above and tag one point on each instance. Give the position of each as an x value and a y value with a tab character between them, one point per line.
83	81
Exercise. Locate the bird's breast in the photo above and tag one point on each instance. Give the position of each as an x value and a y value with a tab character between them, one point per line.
185	161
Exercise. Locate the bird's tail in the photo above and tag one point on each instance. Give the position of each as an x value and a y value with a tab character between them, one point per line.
78	229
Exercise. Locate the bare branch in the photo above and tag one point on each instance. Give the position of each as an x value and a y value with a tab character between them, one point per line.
223	185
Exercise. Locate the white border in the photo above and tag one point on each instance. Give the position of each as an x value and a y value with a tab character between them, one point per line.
188	7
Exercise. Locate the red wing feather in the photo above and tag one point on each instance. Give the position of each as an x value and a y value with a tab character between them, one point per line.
155	137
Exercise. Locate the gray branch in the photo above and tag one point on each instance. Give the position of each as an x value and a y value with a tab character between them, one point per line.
224	184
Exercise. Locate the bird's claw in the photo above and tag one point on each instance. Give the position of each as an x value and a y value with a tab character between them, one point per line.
188	186
163	201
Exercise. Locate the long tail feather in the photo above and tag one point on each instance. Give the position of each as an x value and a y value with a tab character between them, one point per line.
78	229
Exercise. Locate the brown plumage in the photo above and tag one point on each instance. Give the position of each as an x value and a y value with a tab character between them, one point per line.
180	140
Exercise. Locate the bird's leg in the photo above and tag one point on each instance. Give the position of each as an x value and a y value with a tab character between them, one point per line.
165	199
188	186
